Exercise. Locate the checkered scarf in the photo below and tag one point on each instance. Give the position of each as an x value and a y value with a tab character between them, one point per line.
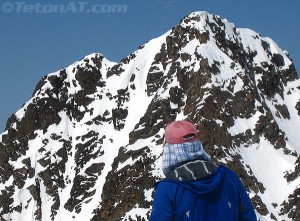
176	154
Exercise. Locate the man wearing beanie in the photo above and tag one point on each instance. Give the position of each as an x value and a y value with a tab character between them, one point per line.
194	187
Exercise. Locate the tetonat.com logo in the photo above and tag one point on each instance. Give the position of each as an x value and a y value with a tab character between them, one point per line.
70	7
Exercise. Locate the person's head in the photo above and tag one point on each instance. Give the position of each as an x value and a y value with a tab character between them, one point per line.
182	144
180	132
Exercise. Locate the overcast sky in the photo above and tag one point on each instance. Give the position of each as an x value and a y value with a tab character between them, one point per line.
41	37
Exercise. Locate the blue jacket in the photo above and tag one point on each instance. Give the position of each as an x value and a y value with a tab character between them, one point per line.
218	195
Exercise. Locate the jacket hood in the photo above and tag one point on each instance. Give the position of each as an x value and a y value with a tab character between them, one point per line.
201	181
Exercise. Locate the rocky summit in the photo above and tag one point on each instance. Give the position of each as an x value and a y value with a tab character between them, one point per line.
88	144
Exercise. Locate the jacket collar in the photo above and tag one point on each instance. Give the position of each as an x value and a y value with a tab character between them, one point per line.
191	171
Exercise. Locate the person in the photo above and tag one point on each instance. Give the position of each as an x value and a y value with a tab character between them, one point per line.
195	188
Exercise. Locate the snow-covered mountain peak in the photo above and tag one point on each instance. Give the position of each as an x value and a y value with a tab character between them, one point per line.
88	144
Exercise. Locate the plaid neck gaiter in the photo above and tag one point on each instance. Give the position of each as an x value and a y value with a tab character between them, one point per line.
176	154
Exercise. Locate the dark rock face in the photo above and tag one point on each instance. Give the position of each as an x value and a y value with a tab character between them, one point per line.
125	187
89	141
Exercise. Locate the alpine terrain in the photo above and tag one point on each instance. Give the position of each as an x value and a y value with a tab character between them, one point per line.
88	144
